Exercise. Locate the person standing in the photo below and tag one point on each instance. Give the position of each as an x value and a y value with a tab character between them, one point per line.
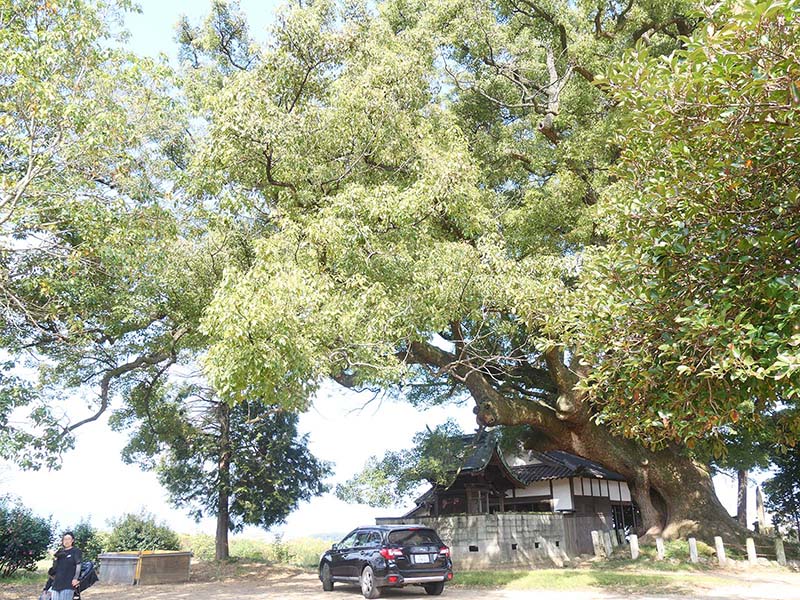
67	569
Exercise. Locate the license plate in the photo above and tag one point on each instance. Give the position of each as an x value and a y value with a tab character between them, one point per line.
421	558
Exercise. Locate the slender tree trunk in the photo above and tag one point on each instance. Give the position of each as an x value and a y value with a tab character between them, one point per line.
741	498
222	551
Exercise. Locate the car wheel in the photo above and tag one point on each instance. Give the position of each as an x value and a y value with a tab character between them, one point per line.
325	576
434	589
368	587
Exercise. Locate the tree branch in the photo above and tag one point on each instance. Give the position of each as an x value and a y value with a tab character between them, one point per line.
111	374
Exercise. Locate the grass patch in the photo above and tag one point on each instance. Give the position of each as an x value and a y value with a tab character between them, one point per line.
23	577
621	563
575	579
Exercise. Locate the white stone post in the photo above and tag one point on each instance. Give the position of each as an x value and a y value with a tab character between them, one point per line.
660	553
614	538
693	550
780	552
634	541
597	544
720	550
752	557
607	543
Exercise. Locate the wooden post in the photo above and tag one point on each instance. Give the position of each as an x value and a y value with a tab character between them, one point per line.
752	557
720	550
693	550
607	543
660	553
597	544
634	540
780	552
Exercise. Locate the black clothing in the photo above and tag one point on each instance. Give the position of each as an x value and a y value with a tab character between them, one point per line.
68	567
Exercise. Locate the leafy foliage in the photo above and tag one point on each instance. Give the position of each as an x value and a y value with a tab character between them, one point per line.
88	249
695	304
90	541
141	531
202	449
409	190
24	537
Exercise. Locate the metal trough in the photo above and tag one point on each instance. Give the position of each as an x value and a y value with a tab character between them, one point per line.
145	568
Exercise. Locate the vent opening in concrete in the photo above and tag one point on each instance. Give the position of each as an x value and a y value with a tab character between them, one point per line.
536	544
473	548
557	543
513	546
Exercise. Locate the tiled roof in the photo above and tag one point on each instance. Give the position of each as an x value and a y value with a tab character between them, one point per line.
582	466
483	444
531	473
555	464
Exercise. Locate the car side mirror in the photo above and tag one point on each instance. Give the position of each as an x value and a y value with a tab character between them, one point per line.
334	546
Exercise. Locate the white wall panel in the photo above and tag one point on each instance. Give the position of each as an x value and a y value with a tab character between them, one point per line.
562	497
614	491
537	488
626	493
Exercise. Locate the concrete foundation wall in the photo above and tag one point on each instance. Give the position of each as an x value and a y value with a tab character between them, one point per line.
497	540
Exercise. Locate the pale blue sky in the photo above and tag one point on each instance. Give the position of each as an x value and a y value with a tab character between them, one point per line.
153	31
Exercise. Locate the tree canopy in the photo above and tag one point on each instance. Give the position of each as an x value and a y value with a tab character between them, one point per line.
582	216
783	492
449	198
243	464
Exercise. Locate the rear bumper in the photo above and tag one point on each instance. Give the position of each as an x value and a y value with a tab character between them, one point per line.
398	580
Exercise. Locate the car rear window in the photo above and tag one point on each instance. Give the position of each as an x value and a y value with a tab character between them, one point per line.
413	537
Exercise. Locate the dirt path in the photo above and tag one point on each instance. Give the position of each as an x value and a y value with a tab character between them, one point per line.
264	583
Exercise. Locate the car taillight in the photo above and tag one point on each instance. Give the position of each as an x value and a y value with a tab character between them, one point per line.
391	553
444	551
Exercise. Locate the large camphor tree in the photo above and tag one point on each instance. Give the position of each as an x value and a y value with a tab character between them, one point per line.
446	216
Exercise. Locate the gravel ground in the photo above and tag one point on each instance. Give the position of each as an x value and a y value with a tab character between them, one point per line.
256	582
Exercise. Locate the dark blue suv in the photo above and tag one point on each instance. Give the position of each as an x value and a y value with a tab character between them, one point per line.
388	556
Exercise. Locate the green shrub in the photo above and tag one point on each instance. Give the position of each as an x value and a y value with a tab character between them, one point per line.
88	539
679	549
306	551
201	545
247	549
141	532
279	551
24	537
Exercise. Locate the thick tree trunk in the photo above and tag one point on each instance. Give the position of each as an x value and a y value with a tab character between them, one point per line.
222	551
741	497
674	493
